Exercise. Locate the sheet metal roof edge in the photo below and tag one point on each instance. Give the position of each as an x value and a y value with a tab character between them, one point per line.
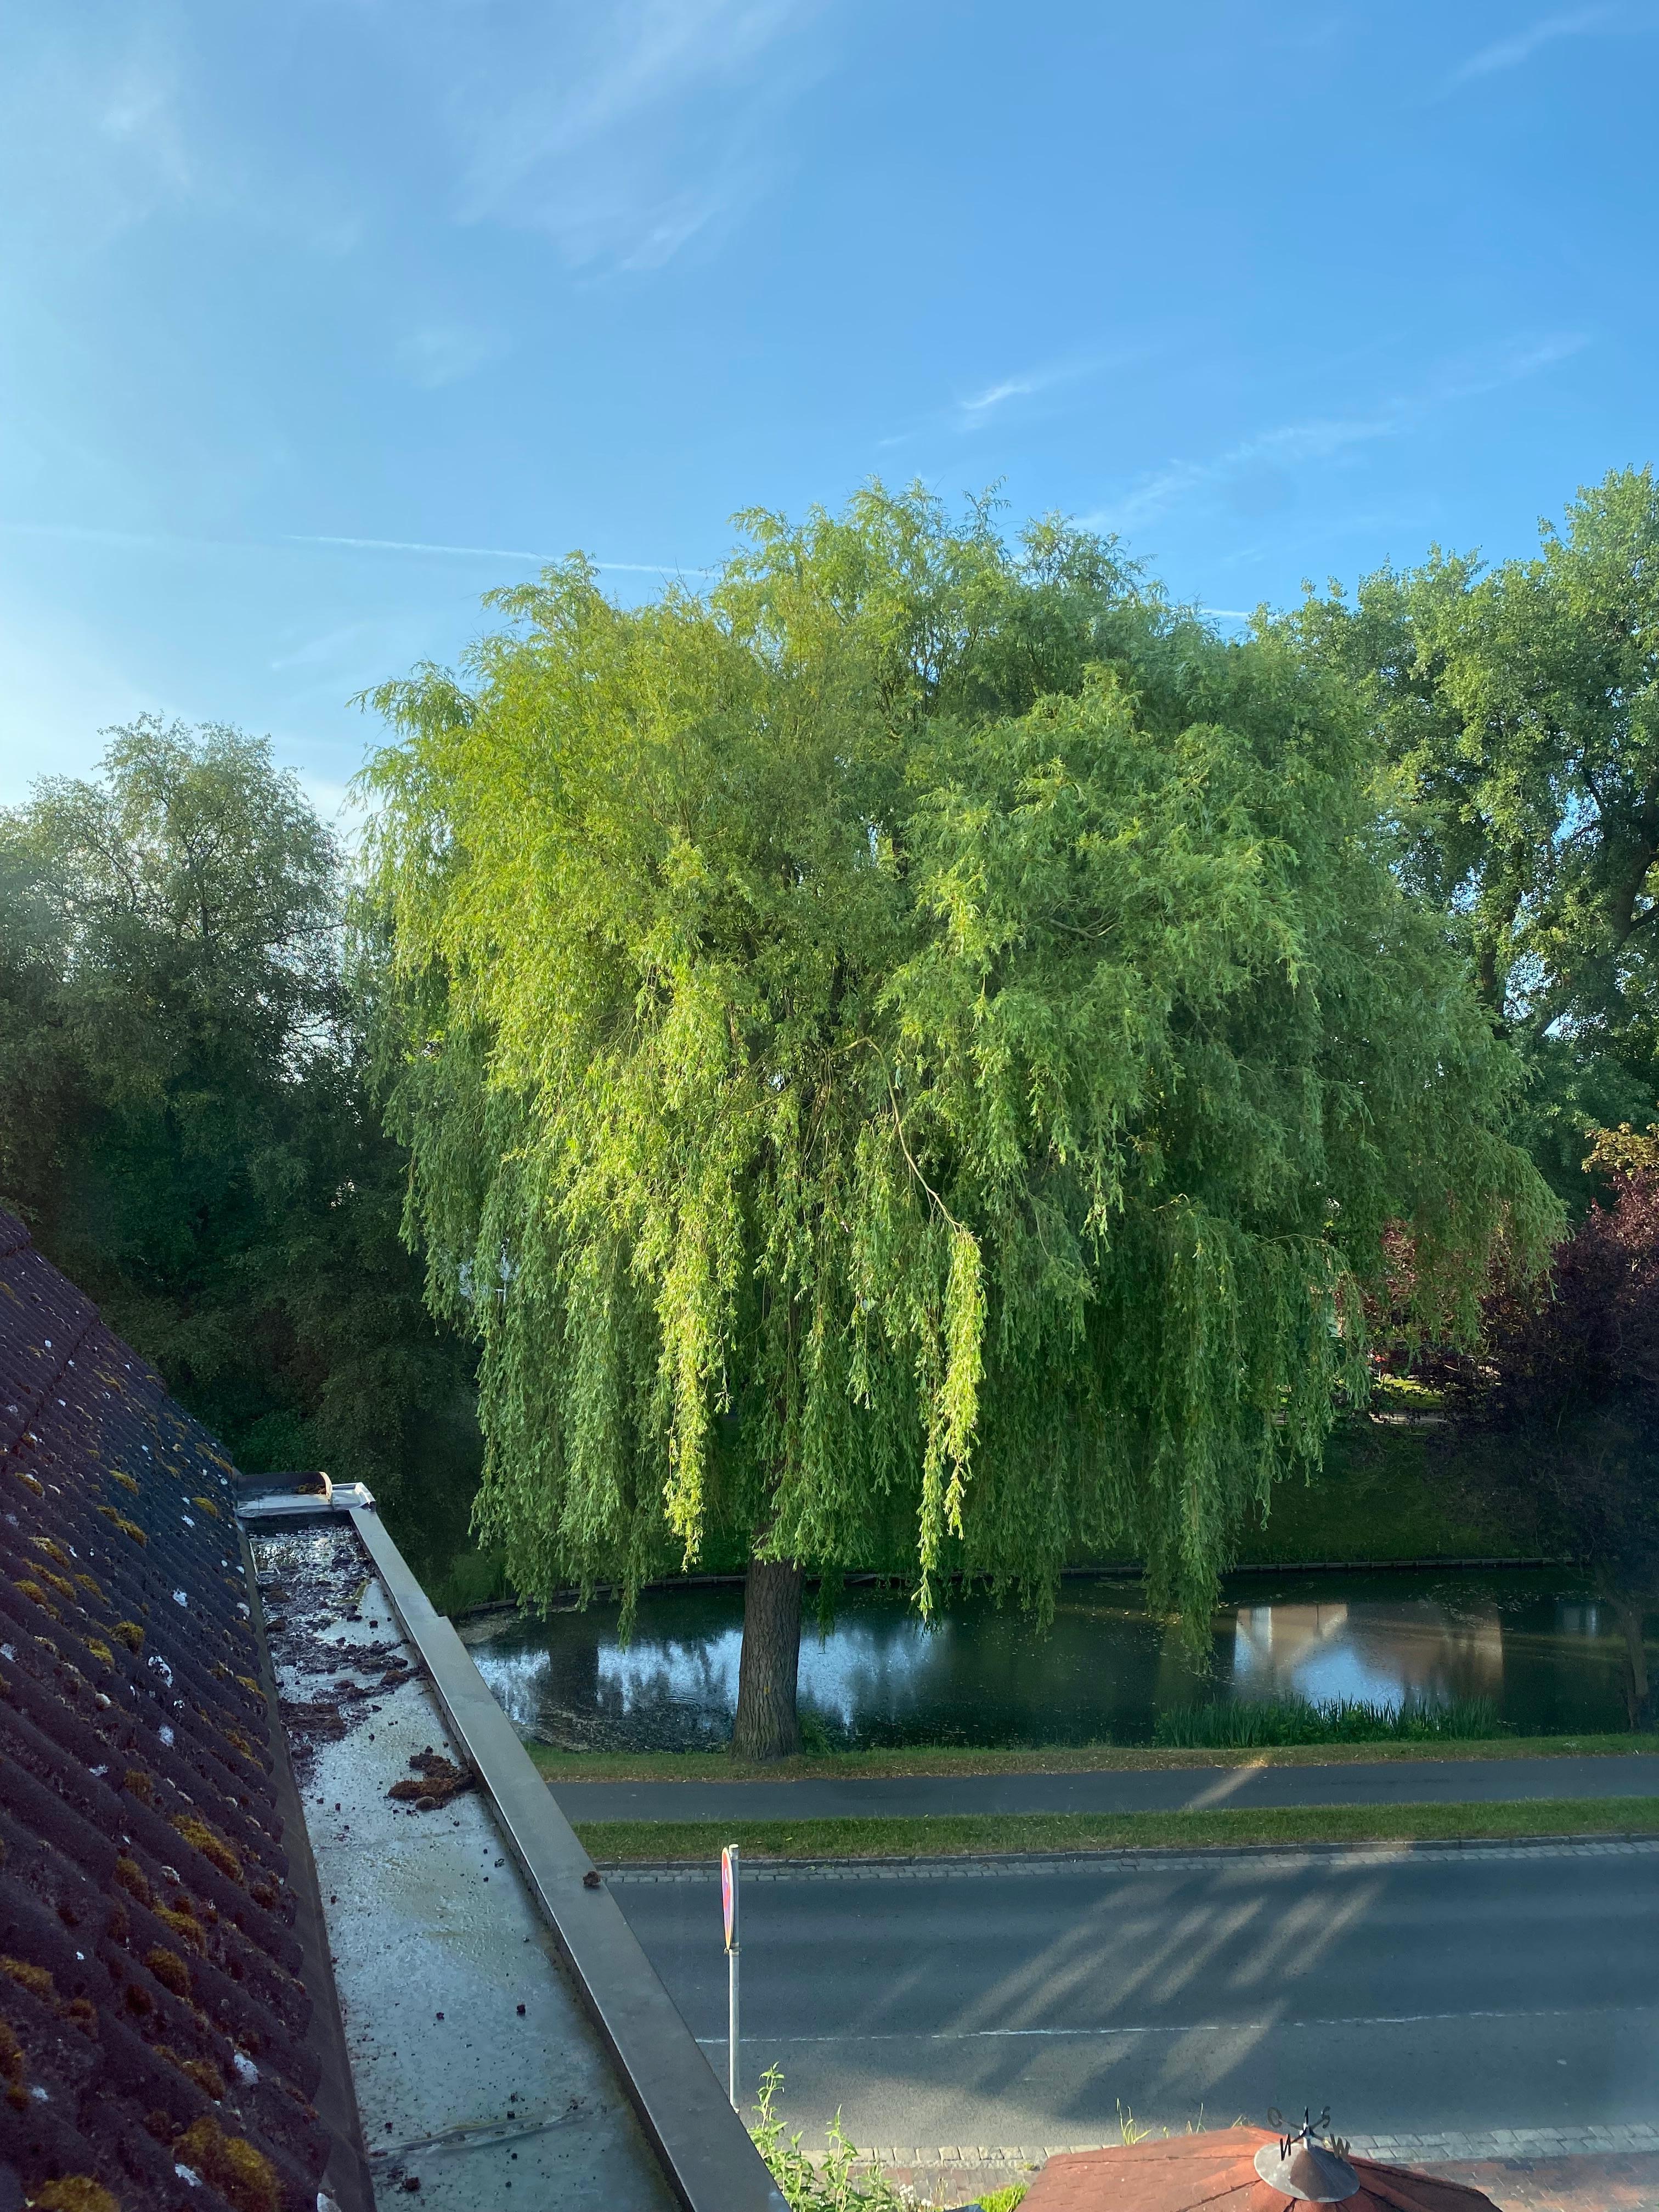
705	2150
345	2178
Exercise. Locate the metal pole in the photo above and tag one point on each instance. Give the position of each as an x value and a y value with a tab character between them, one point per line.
729	1908
731	2029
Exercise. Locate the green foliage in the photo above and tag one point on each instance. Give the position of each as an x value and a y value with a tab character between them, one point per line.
1553	1427
1521	707
1382	1492
977	1835
195	1142
830	2184
1241	1723
923	1026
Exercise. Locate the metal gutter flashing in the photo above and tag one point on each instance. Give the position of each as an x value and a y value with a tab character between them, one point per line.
286	1505
703	2144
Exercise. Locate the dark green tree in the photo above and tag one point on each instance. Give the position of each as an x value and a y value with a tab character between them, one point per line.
1553	1430
189	1129
924	1029
1520	706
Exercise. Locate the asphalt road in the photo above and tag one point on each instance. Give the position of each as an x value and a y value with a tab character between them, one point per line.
1423	1990
1404	1782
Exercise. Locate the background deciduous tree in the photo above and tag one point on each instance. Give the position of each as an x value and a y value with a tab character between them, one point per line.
1521	705
1555	1427
921	1030
188	1125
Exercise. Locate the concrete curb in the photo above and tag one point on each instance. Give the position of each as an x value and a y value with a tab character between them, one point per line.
1445	2148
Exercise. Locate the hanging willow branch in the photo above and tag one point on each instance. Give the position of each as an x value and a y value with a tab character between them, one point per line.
690	893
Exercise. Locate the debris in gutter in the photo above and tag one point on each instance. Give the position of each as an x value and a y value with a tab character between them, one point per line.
441	1779
313	1576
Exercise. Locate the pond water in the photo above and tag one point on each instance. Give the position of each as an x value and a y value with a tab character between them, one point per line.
1535	1643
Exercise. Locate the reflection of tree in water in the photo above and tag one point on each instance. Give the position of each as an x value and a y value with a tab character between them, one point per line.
583	1691
982	1675
1179	1676
870	1680
878	1675
1380	1653
670	1696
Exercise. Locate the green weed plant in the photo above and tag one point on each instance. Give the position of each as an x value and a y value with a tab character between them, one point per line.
830	2184
1228	1725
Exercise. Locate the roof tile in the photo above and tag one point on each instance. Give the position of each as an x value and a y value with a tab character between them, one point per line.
152	2018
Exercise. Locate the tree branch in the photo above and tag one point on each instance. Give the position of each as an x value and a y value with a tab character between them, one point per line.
898	1129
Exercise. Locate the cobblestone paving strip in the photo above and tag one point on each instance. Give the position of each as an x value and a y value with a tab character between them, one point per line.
1293	1859
1443	2150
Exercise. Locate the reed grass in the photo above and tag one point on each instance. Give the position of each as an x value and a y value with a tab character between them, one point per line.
1244	1723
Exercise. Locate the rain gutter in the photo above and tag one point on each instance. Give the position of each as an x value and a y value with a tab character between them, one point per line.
703	2144
346	2179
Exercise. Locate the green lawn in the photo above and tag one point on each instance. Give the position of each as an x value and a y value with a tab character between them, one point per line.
616	1842
1053	1759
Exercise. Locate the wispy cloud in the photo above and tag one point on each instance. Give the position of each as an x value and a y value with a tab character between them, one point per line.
492	553
137	541
1521	45
998	395
1474	377
1317	438
976	411
421	545
328	647
979	410
444	353
626	131
95	137
139	109
114	115
166	541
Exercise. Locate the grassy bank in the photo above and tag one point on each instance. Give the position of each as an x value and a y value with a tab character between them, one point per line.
615	1843
1379	1494
1052	1758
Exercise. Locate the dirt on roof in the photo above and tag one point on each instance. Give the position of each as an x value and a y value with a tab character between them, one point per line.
156	2041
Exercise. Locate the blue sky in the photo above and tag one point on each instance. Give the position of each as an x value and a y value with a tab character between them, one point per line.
318	318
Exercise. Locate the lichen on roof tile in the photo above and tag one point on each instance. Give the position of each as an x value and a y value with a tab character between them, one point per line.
152	2014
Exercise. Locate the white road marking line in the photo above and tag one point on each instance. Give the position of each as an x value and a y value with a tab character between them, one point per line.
1185	2027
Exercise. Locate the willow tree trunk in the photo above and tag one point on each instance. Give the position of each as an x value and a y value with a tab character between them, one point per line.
768	1726
1639	1702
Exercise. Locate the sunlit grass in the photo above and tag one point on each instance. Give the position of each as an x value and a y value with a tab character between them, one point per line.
957	1835
1051	1759
1406	1391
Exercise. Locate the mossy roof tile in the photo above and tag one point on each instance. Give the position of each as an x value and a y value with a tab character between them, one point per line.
150	1971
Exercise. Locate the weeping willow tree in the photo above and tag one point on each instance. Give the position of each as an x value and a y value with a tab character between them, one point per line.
921	1031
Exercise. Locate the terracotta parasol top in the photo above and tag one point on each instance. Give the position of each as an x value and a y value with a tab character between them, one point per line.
1219	2170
